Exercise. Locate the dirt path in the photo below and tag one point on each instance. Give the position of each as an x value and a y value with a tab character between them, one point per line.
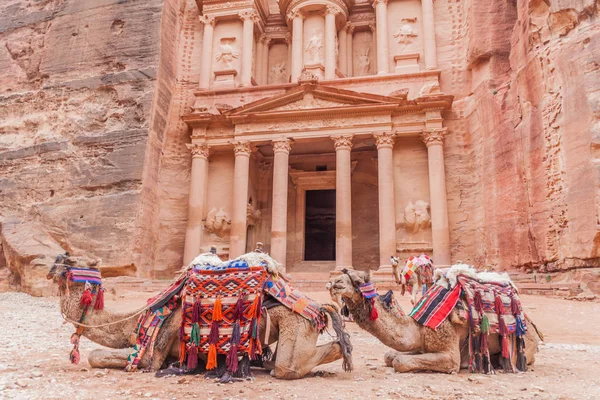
34	348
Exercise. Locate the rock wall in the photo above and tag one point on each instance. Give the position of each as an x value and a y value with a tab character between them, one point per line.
521	159
77	83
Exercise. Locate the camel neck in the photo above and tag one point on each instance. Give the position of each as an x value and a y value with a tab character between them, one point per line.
115	336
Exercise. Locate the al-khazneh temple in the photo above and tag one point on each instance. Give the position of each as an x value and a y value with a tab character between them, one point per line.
317	129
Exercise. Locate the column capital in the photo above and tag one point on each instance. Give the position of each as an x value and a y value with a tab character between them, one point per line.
342	142
349	28
266	40
332	10
288	38
250	15
207	20
242	148
282	145
296	14
384	139
198	150
434	136
375	2
373	28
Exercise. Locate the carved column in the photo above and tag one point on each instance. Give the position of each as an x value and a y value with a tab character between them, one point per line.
237	240
259	64
281	150
350	49
343	202
330	32
297	43
196	203
207	44
264	72
248	17
434	140
343	59
382	38
288	68
430	49
387	209
373	29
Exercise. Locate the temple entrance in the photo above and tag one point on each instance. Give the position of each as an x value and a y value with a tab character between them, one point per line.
319	226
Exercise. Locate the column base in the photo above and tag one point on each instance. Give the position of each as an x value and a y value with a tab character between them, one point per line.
383	73
387	268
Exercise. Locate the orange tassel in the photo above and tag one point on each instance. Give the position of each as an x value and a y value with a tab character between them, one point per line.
211	362
182	351
217	311
253	308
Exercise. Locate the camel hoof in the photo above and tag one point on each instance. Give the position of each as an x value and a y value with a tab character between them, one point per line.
389	358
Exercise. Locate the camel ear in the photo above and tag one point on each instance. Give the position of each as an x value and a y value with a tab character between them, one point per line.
356	277
368	276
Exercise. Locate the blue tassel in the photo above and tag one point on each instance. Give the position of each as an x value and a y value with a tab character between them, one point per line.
521	328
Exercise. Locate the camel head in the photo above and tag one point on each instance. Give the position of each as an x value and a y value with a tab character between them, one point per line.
395	261
64	262
346	286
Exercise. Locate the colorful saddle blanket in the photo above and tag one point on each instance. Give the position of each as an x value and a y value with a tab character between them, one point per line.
422	262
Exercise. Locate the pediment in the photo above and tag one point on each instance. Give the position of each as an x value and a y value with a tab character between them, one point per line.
313	97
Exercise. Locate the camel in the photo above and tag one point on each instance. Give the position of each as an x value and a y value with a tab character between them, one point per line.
296	353
415	347
421	276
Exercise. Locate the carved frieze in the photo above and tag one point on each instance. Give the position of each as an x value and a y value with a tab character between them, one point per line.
416	216
307	102
296	125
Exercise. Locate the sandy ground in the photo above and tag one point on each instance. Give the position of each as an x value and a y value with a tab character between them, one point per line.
34	348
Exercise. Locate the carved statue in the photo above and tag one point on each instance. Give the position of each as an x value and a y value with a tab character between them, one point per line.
416	216
227	53
252	215
430	89
277	73
313	48
364	61
406	33
218	222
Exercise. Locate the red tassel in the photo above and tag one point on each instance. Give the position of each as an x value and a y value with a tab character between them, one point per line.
483	343
515	309
499	305
74	357
86	298
196	311
238	311
505	347
232	359
478	302
213	336
211	362
192	360
374	314
502	328
99	305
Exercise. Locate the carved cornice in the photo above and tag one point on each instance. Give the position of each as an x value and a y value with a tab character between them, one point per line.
281	146
242	148
198	150
207	19
248	15
342	142
384	139
433	137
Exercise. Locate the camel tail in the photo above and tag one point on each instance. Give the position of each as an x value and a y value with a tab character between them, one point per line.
343	336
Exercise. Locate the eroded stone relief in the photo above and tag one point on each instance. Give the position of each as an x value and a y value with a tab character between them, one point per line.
227	53
218	222
407	33
314	48
416	216
277	73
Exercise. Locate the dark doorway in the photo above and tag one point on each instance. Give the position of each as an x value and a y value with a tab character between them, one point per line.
319	225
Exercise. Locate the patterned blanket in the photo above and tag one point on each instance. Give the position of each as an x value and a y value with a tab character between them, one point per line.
492	308
221	315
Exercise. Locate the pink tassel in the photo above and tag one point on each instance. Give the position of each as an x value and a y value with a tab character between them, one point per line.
499	306
196	311
213	336
515	309
99	305
74	357
505	347
74	338
232	359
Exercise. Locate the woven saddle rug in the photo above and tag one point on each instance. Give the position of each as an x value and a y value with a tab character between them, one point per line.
221	315
492	308
421	265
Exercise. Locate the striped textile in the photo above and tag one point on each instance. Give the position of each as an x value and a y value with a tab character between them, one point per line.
435	306
83	275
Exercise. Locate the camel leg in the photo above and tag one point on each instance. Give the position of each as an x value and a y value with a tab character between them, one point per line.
288	366
437	362
390	355
108	358
414	294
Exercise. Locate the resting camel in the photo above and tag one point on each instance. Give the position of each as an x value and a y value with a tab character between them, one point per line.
417	279
296	353
415	347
